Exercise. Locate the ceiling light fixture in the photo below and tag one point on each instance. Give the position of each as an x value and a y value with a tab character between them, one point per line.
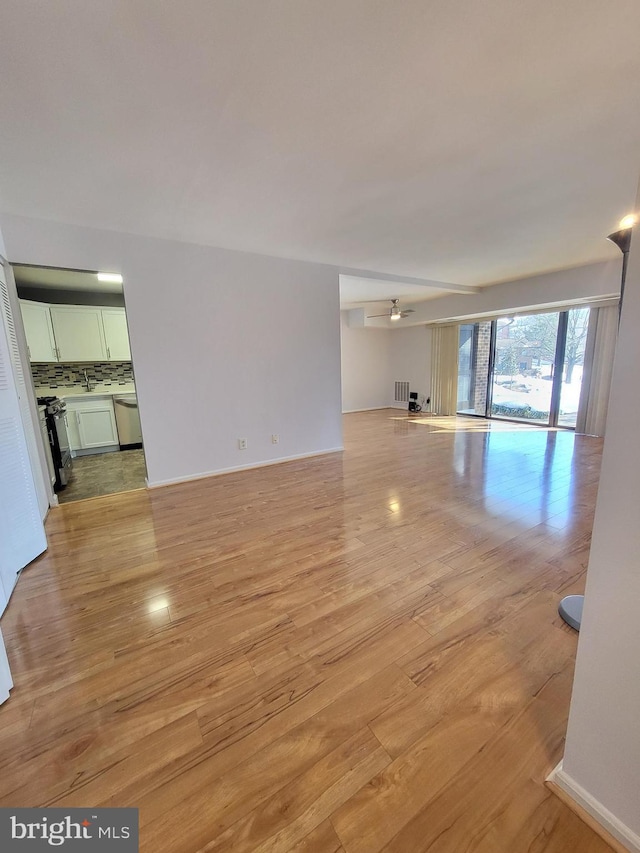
622	239
628	221
394	313
110	277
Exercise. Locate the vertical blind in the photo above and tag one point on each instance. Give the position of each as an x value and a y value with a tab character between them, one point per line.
598	368
444	369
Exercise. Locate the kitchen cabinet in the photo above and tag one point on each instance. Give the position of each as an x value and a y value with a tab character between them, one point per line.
73	430
38	328
116	334
78	332
92	424
74	333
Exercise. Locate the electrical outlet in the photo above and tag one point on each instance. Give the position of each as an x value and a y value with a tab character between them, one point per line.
275	438
242	444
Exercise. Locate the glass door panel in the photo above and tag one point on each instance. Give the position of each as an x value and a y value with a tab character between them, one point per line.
526	368
474	356
522	381
465	352
577	327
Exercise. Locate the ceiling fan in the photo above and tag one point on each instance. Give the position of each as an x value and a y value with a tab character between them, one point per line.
395	313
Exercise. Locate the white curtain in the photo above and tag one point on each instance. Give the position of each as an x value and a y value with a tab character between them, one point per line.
598	368
444	369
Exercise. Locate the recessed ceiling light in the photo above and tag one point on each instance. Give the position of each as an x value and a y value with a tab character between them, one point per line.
628	221
110	277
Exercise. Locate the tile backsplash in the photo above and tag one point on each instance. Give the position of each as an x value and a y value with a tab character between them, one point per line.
72	375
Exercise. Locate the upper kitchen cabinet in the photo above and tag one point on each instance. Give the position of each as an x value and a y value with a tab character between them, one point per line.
116	333
79	333
39	331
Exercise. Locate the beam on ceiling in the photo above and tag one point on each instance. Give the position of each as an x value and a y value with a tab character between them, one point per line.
403	279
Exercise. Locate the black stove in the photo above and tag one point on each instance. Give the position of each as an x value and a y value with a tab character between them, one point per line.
53	404
58	438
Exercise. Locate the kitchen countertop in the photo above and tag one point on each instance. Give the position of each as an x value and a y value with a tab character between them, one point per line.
79	393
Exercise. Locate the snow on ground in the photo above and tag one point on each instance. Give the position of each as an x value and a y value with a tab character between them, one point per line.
520	391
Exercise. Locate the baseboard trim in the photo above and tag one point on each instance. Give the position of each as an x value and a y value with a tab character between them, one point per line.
615	833
368	409
202	476
397	407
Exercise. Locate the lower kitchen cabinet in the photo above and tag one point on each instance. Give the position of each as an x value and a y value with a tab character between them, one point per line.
92	424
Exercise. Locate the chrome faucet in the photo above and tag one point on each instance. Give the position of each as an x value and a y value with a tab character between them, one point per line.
87	383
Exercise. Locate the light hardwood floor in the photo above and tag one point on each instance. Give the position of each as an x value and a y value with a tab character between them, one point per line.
357	652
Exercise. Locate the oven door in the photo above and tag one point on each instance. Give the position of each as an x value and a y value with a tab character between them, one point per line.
62	434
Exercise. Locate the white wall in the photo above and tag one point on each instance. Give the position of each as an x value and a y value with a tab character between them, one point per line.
373	359
225	344
602	754
592	281
410	360
365	366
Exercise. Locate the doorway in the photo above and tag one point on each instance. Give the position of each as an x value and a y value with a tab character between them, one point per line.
524	368
77	336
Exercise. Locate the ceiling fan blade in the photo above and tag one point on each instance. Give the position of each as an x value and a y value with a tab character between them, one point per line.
371	316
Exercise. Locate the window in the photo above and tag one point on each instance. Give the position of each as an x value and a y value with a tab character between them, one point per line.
524	368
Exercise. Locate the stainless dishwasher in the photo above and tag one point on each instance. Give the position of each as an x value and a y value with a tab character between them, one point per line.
127	420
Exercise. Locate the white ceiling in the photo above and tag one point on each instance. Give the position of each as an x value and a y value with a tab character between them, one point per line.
356	291
457	142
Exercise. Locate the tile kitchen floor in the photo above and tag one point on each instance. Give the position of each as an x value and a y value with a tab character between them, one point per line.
105	474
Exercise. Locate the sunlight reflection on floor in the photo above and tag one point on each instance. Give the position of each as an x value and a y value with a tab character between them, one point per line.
453	423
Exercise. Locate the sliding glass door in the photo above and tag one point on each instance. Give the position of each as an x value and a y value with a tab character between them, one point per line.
525	368
474	364
576	339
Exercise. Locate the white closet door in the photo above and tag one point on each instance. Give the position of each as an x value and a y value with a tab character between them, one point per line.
22	535
6	682
26	393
